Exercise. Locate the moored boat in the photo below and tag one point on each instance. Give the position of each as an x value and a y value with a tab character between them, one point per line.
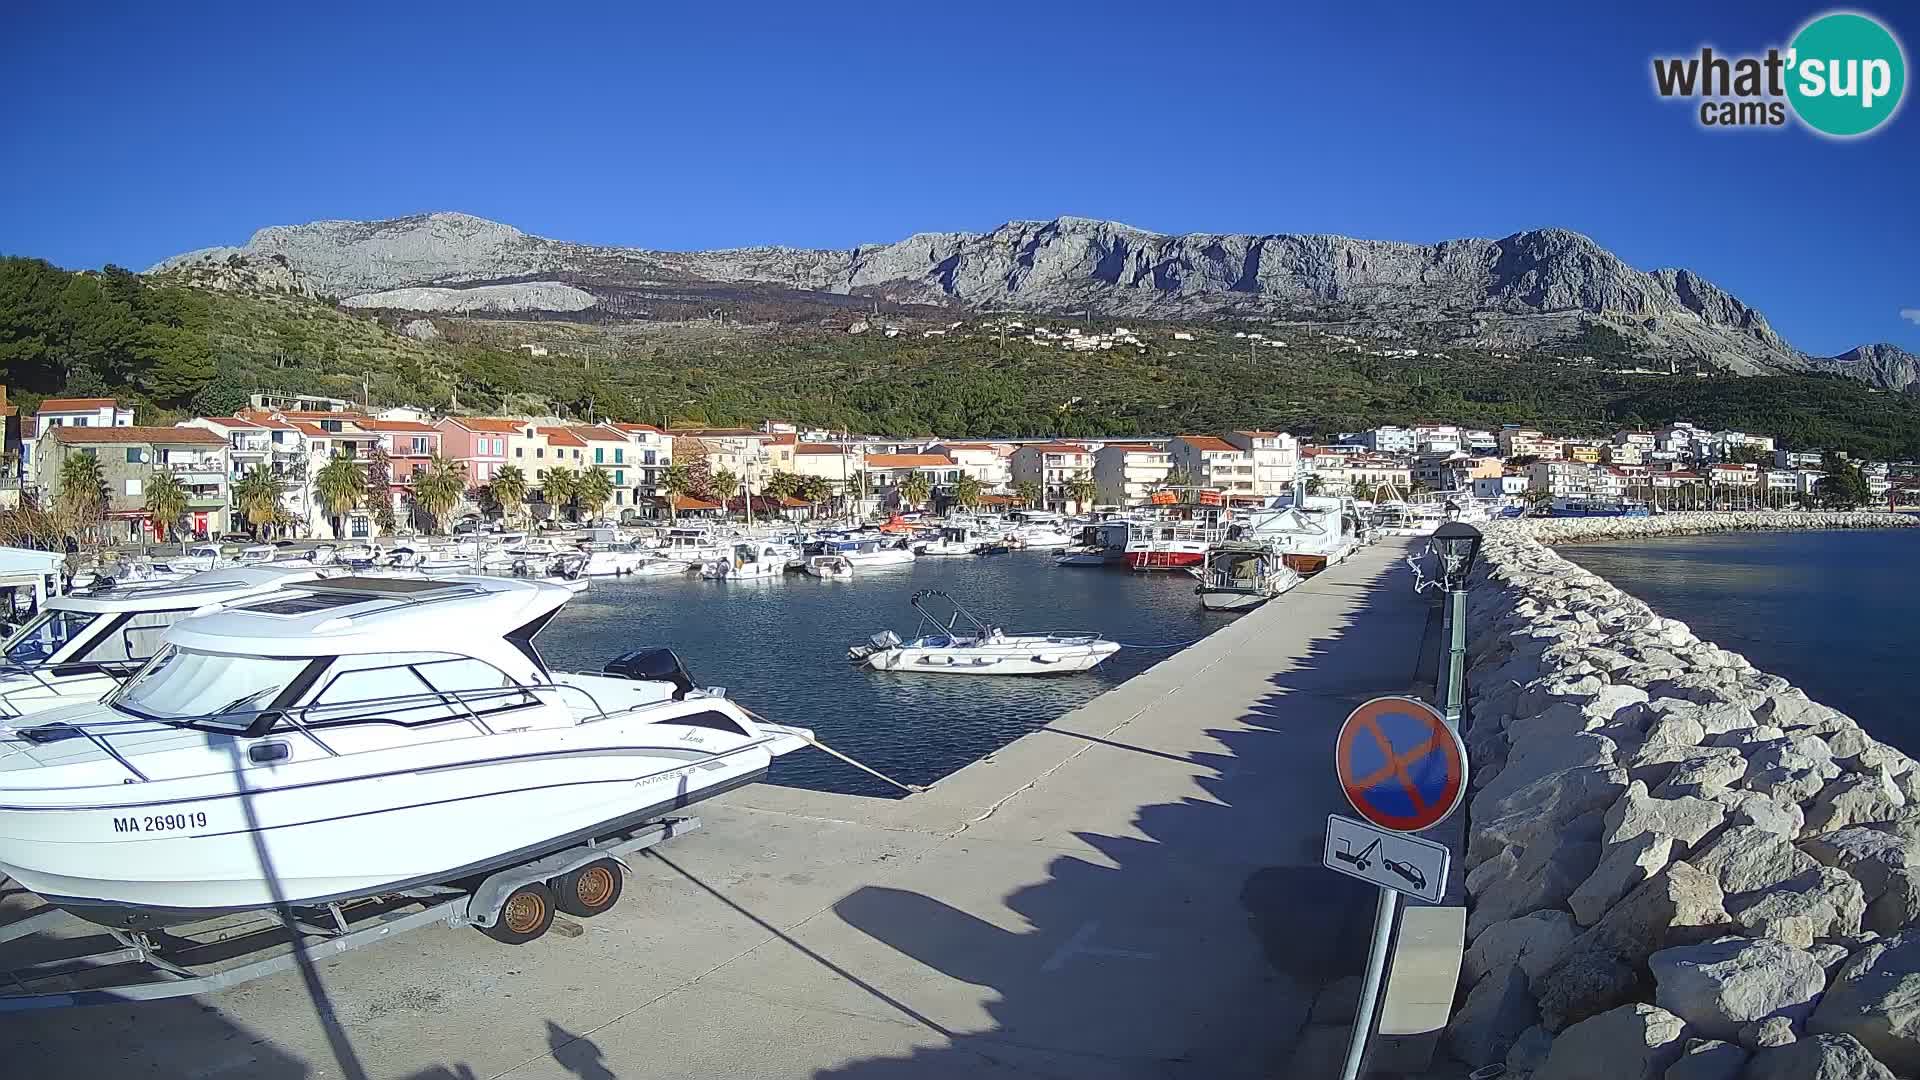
960	643
1242	576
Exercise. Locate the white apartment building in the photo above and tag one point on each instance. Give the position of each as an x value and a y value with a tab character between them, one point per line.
1438	439
1499	487
277	446
1213	463
1564	477
1276	459
1516	441
83	412
1386	439
1052	465
985	462
1799	459
1127	474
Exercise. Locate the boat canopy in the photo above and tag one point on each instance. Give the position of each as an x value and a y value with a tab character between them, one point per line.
352	615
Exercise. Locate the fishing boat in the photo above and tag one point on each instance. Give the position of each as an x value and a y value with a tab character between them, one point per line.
1242	576
1169	545
82	645
1311	532
829	567
747	561
1102	544
957	642
354	737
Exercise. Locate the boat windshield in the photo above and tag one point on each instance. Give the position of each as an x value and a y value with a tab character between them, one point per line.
46	634
218	690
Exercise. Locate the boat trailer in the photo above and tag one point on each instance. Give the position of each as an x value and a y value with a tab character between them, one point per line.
226	951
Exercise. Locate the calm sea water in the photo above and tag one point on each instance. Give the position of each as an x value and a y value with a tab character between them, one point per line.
1835	613
780	648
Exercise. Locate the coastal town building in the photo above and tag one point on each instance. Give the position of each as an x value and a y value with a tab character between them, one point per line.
989	463
83	412
128	457
1275	456
478	444
1054	465
1516	441
1503	486
1127	474
1214	463
1798	459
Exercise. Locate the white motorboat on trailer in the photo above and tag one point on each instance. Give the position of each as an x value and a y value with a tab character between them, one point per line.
83	644
830	567
1241	576
352	737
962	644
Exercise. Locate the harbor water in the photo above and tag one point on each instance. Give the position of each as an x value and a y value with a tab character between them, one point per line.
1836	613
780	647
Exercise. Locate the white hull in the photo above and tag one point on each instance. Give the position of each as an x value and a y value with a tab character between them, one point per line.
358	824
614	563
722	570
876	560
1085	558
662	568
938	548
1013	656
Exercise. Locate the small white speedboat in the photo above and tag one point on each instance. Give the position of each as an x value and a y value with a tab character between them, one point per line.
962	644
829	567
1040	538
613	558
351	738
1242	576
871	554
953	540
659	567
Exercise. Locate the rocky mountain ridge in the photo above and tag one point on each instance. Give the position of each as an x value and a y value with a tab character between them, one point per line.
1521	290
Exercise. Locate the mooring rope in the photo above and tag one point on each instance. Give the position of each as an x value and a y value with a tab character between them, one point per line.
911	789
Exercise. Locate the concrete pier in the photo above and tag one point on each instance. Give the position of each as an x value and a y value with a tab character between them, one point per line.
1134	891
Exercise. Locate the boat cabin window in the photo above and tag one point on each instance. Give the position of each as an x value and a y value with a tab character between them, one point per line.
135	637
46	634
218	690
409	689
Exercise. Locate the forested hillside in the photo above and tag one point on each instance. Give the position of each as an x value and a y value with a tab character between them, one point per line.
177	351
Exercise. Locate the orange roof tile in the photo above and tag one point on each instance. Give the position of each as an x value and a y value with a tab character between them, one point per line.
1056	448
1129	446
819	448
398	425
597	433
77	404
906	461
559	436
640	427
1207	442
170	436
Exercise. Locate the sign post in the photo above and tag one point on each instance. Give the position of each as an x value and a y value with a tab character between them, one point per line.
1403	769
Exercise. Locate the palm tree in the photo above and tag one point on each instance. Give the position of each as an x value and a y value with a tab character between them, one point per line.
166	503
1082	490
726	484
780	485
1313	485
509	489
559	486
677	481
1361	491
83	491
438	487
915	489
968	491
815	490
1178	477
340	486
257	497
593	490
1029	492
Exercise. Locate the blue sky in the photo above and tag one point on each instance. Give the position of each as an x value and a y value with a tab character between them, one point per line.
132	134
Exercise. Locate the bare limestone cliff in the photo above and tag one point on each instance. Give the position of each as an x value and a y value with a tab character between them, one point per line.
1524	289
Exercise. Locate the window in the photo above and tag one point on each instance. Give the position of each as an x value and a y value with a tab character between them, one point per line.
137	638
359	527
539	451
419	444
403	689
180	683
48	633
619	478
133	486
519	451
619	455
79	421
718	721
136	455
599	455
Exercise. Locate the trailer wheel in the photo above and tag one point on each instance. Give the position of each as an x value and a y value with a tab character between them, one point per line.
590	890
526	914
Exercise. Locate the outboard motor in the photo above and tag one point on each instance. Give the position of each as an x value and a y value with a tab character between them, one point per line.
653	665
880	642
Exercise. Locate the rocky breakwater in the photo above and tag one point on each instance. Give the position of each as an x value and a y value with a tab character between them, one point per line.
1699	523
1678	866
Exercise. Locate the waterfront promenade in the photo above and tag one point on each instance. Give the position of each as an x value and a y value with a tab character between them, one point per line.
1134	891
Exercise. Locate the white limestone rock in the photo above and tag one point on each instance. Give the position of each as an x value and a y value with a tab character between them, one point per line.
1532	759
1854	799
1633	1042
1545	874
1543	809
1687	819
1876	999
1773	1031
1604	966
1820	1057
1720	986
1708	1059
1820	903
1530	943
1622	867
1703	772
1745	858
